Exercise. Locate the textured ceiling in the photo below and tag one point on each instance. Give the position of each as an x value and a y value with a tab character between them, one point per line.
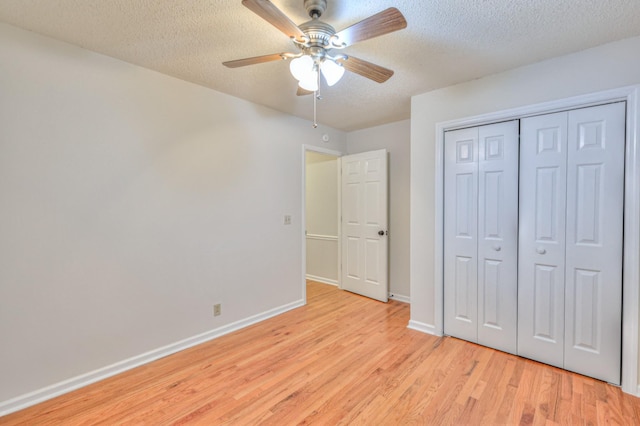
445	42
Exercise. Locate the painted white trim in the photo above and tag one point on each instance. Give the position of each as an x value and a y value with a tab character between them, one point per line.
438	253
57	389
303	219
322	280
631	255
339	179
423	327
322	237
399	297
631	251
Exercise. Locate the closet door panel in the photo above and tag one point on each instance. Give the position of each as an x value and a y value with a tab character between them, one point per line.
460	234
595	183
541	265
497	235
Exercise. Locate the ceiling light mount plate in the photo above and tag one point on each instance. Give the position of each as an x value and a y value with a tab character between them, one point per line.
315	8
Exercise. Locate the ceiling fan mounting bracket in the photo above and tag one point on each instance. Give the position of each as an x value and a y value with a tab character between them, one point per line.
315	8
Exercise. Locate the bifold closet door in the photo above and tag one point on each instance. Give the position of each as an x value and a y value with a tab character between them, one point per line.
543	189
595	205
498	236
461	234
570	249
480	253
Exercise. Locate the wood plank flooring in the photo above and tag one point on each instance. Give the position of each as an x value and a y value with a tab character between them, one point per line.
342	359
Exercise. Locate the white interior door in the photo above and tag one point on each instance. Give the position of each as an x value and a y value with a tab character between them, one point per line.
364	237
570	251
480	234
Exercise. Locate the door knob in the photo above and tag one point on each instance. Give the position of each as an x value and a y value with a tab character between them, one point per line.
497	248
540	250
381	233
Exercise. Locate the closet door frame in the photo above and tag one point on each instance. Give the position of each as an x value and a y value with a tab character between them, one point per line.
631	250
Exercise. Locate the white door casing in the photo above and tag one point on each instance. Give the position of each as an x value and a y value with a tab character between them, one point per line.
480	228
364	237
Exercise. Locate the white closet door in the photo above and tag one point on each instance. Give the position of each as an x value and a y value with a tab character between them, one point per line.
497	235
481	221
541	263
460	234
570	248
595	185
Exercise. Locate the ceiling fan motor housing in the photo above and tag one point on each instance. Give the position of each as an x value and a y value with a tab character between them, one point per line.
315	8
318	32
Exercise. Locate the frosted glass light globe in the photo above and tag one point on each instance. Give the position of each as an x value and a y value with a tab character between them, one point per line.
301	67
331	71
310	82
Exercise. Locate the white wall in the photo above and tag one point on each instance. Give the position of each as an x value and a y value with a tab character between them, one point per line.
609	66
395	137
131	202
322	217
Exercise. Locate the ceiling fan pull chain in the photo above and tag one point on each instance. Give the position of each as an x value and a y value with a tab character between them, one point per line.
316	96
315	109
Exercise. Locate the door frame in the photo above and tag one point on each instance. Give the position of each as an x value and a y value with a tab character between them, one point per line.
631	247
303	219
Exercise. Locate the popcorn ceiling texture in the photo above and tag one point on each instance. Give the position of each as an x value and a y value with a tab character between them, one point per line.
446	42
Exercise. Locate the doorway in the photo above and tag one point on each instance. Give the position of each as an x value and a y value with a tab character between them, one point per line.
346	193
322	217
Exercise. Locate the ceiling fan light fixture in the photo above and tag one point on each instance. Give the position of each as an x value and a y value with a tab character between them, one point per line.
331	71
310	81
301	67
315	40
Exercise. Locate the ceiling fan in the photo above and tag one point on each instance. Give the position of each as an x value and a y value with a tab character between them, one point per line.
316	40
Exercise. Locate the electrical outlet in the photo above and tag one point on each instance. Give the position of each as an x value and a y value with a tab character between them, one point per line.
217	309
287	219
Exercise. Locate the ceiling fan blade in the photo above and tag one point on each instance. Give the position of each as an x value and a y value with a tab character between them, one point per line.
303	92
270	13
255	60
366	69
387	21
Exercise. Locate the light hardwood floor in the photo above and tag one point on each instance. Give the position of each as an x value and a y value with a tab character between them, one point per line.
342	359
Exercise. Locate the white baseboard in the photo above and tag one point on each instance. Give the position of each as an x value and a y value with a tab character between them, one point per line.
399	297
423	327
322	279
57	389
